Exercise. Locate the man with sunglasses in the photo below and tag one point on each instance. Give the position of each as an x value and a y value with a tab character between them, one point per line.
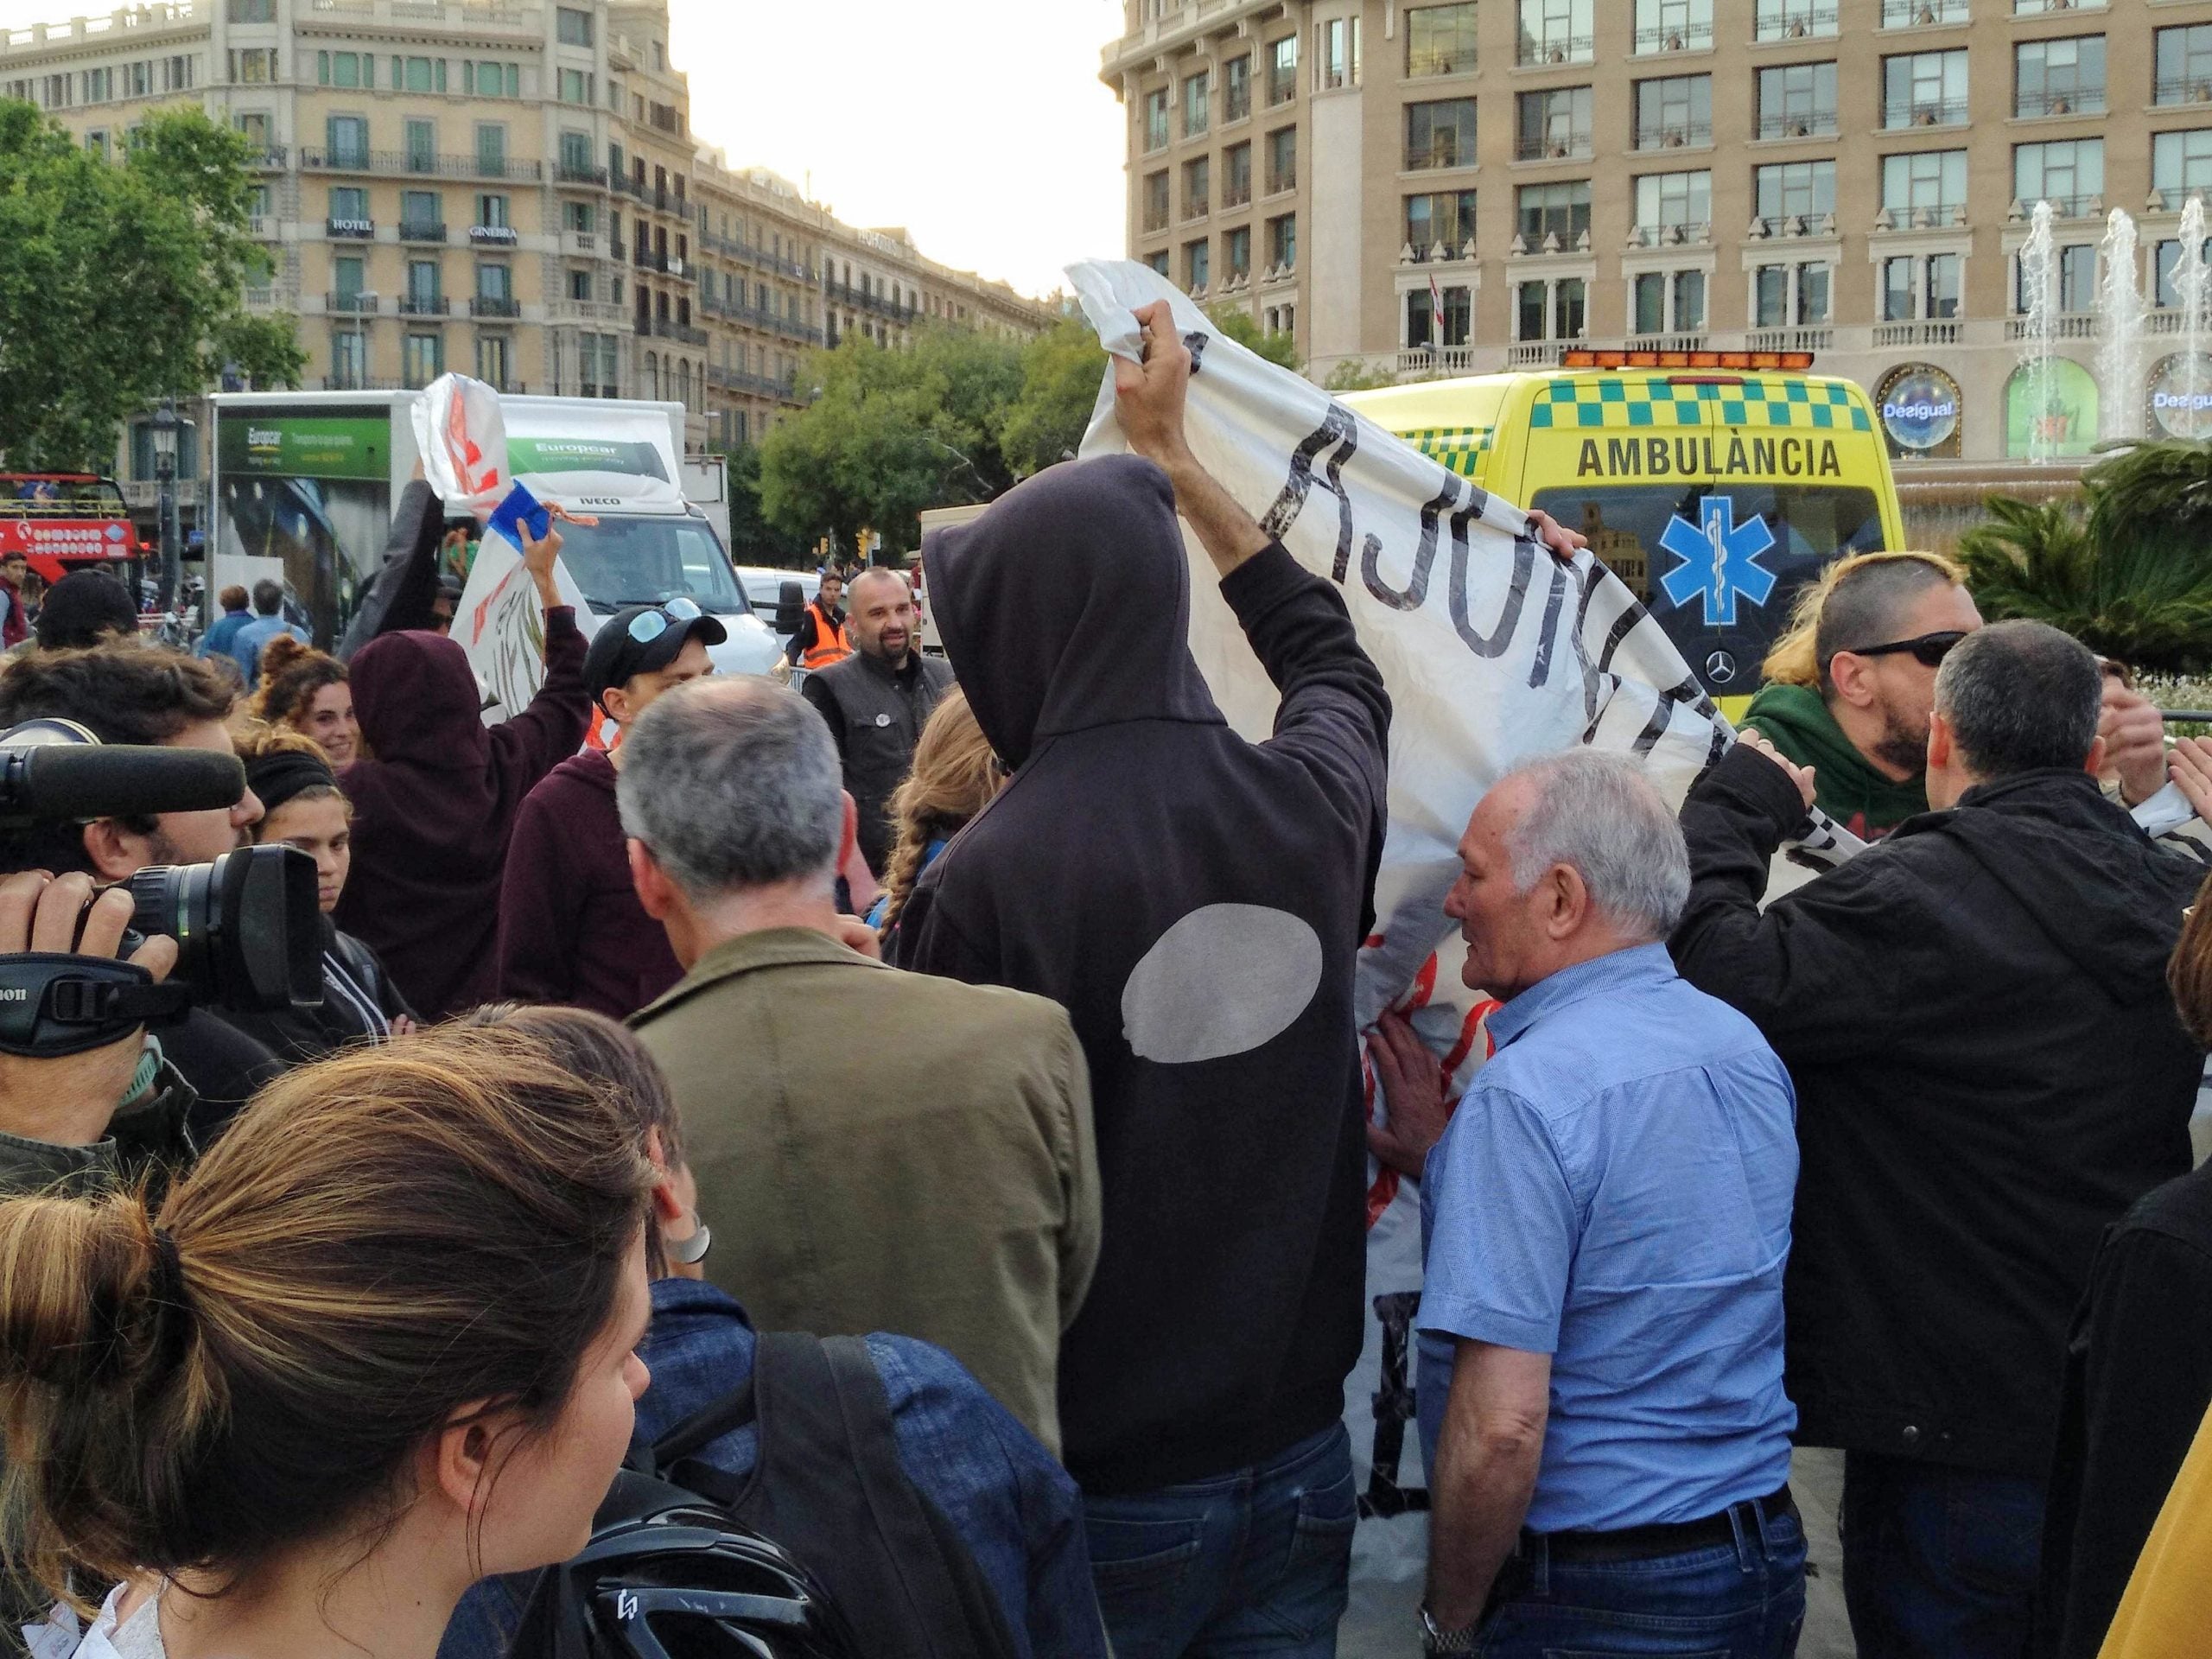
1989	1072
1850	686
571	930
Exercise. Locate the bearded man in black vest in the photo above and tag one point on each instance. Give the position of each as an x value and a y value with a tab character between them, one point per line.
878	699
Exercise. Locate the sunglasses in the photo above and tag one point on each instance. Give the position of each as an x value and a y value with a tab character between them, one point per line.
648	626
1929	650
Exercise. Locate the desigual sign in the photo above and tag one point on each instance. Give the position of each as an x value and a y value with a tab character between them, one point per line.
2181	396
1919	406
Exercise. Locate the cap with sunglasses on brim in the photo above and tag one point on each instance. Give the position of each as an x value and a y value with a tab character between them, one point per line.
644	640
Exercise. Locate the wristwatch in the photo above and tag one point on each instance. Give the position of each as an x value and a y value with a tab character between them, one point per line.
1433	1640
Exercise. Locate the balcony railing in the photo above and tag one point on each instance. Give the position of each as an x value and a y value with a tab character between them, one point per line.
682	333
1659	341
1804	338
1933	331
344	382
1671	235
1690	37
1815	23
1678	136
1282	88
1443	61
1537	51
1922	14
1236	105
493	305
2184	89
1575	146
350	305
1237	193
1534	354
1153	222
420	230
1941	113
2078	325
424	305
1446	151
572	173
1816	123
1424	253
1196	207
399	163
2070	207
2084	100
270	159
1436	360
1283	179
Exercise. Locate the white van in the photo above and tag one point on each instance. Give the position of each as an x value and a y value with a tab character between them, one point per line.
308	481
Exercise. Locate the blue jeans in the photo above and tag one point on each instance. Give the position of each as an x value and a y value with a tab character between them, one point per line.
1253	1562
1743	1600
1939	1562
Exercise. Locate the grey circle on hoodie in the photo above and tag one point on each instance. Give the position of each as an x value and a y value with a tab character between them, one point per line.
1224	979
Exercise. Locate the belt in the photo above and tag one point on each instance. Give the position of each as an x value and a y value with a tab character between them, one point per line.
1678	1538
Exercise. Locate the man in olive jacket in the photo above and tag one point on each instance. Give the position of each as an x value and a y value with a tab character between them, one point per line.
875	1150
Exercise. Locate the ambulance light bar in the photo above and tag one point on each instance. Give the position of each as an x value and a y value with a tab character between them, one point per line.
1583	358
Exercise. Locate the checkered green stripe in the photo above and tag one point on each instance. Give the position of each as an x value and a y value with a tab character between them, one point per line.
1458	447
1630	403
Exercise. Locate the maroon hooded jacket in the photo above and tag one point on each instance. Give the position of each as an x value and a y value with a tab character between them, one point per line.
433	811
571	929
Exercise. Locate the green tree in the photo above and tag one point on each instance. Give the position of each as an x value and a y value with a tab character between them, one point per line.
753	539
1352	375
2143	598
1278	346
1062	370
891	433
120	285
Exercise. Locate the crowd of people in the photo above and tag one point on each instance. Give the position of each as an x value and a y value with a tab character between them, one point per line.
912	1131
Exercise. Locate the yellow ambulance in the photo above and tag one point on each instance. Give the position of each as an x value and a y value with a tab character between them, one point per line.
1714	483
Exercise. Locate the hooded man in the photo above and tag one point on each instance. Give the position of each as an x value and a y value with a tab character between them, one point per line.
1195	902
436	805
571	930
1990	1072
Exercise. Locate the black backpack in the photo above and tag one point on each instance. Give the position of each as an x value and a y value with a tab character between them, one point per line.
825	1548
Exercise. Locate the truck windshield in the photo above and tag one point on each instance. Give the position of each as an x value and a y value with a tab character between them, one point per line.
650	561
1742	552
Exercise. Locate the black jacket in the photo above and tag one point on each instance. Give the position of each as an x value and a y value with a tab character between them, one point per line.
358	1004
1989	1071
877	714
2138	1381
1195	902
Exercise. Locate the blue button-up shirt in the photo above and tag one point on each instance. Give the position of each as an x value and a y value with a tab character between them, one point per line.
1016	1509
1614	1191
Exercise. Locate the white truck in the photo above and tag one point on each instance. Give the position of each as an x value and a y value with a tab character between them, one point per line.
304	485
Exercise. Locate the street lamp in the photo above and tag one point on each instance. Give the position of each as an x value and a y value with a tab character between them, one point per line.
165	473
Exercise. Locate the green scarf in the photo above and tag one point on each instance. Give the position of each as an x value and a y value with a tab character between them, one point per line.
1849	790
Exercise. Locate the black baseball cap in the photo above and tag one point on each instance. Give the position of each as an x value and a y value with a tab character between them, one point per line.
644	640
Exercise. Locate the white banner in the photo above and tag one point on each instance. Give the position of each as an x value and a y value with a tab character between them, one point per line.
501	626
1493	651
461	435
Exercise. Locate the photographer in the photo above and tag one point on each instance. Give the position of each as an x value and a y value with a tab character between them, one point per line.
127	693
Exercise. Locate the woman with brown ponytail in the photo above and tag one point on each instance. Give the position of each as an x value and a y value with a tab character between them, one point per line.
955	777
377	1345
307	691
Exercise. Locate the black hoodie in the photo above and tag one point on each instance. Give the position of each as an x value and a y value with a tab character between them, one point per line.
1195	902
1989	1072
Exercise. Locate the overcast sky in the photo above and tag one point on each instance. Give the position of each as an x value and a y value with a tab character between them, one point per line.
980	125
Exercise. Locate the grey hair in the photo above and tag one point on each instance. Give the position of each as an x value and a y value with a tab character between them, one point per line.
2020	696
733	784
1597	814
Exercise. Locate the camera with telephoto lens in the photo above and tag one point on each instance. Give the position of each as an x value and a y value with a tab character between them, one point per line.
247	926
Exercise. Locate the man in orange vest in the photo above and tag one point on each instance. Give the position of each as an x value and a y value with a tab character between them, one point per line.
822	639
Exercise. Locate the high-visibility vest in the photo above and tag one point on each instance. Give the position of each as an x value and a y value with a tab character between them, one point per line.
829	645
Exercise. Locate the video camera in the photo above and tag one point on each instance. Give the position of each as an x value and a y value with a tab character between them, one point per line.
247	926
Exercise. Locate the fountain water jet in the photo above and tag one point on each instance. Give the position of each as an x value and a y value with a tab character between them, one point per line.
2039	329
2193	297
2118	352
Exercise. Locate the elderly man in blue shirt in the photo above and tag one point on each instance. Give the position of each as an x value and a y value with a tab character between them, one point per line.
1605	1224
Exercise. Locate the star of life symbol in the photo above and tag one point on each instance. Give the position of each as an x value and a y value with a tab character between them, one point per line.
1719	559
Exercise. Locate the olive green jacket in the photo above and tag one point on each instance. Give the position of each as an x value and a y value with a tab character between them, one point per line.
884	1150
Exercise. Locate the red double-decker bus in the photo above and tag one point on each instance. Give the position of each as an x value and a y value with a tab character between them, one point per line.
61	521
